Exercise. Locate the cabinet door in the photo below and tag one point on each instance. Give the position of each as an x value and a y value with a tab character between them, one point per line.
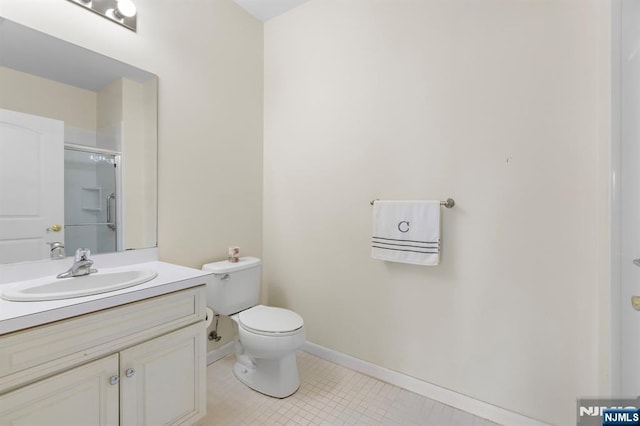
81	396
163	381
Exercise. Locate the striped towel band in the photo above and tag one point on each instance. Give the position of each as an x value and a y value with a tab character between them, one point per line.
426	247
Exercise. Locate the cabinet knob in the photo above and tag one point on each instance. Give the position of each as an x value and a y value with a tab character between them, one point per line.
130	372
113	380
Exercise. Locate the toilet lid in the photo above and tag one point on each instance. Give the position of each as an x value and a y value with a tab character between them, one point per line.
268	319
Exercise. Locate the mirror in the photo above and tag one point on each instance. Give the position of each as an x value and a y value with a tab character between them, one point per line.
78	137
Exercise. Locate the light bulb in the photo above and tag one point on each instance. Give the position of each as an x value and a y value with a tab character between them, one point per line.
124	9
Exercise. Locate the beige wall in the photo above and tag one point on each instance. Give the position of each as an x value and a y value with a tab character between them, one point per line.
127	122
150	165
47	98
208	57
110	115
139	163
497	104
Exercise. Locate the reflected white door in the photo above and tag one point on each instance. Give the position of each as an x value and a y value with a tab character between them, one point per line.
31	185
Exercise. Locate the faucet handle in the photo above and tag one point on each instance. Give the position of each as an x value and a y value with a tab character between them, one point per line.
82	254
57	250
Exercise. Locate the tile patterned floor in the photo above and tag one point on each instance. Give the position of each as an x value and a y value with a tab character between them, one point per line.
329	394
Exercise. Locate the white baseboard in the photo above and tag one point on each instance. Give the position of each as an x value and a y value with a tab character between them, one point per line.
437	393
221	352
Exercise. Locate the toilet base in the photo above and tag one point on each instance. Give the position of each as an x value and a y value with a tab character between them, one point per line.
277	378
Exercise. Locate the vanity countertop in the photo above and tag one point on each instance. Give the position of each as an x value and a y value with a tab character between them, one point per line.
16	316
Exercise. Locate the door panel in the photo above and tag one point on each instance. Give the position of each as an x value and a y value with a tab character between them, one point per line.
163	381
630	197
81	396
31	185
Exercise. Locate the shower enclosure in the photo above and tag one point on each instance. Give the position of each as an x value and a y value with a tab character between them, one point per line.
91	199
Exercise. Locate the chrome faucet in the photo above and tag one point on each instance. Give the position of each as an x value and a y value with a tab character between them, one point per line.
81	265
57	250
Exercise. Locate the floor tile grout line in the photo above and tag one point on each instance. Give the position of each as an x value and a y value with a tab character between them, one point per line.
329	394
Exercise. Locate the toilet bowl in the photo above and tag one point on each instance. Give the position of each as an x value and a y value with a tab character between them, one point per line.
268	337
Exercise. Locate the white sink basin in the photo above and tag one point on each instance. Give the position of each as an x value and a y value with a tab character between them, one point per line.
52	288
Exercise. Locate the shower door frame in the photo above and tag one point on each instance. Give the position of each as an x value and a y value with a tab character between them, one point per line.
118	178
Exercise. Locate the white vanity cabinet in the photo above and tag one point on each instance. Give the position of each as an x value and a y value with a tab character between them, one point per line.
143	363
163	381
80	396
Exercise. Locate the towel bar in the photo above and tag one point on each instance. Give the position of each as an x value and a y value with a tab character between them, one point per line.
448	203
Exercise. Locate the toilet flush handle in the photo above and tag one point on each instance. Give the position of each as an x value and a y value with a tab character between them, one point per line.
225	277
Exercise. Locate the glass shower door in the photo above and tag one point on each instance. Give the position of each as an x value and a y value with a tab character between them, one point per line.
90	200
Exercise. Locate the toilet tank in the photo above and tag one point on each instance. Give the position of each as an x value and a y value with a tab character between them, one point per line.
235	286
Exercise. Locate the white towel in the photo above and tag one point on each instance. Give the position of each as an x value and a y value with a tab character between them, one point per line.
406	231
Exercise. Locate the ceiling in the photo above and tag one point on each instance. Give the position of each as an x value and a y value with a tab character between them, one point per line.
267	9
59	60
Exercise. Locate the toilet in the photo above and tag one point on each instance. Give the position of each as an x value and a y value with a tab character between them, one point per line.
268	337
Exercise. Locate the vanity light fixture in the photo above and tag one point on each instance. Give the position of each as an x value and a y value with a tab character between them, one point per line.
122	12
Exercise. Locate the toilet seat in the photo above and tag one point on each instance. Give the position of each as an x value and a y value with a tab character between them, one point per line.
270	321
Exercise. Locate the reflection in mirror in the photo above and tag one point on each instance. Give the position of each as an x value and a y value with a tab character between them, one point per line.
78	137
